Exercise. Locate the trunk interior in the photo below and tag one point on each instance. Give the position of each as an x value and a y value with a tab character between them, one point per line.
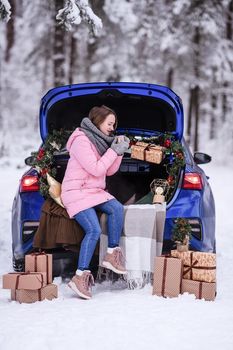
131	183
141	113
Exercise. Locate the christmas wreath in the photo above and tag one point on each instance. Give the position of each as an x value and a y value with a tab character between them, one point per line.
43	160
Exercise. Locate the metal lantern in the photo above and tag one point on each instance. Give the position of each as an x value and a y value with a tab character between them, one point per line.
160	189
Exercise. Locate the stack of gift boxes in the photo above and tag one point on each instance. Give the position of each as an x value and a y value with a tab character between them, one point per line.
36	283
191	272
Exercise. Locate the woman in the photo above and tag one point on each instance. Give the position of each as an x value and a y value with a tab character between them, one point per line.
94	154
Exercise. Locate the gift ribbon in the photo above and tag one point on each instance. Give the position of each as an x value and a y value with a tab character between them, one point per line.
24	274
36	254
167	256
193	265
190	268
164	276
200	290
151	147
39	295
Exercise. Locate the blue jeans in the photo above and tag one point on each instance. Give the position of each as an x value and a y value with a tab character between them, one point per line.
88	220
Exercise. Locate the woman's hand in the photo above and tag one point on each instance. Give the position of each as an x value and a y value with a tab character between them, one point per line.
120	144
120	138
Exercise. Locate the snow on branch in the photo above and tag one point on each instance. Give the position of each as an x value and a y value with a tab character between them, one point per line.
5	10
77	10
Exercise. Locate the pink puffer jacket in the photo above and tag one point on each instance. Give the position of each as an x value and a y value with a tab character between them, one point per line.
84	182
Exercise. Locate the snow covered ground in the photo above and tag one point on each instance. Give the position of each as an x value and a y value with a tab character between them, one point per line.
117	318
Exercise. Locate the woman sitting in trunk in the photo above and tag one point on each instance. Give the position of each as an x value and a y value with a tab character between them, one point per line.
94	154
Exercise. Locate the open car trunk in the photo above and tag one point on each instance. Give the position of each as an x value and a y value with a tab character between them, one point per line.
131	184
145	107
143	110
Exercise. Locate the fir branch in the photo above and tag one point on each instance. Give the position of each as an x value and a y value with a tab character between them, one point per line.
181	230
44	158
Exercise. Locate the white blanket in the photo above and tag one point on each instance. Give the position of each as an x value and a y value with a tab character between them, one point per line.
141	241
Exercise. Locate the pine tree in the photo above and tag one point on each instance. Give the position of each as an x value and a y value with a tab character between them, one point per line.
76	11
181	231
5	10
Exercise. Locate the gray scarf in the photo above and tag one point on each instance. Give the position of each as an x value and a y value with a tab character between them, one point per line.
100	140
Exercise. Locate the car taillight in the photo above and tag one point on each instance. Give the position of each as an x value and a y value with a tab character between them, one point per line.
29	183
192	181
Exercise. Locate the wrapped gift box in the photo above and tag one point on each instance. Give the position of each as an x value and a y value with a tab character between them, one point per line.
200	289
198	266
167	276
149	153
24	280
138	150
31	296
154	154
40	262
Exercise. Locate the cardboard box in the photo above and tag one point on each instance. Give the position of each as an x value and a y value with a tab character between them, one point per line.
48	292
200	289
40	262
198	266
24	280
167	276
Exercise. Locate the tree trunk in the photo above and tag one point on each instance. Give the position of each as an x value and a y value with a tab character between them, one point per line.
229	20
229	24
190	113
213	116
72	59
224	102
197	117
170	75
92	45
58	48
213	105
10	31
196	41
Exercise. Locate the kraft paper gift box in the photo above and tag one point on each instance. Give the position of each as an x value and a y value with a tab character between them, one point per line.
40	262
24	280
167	276
200	289
48	292
138	150
198	266
147	152
154	154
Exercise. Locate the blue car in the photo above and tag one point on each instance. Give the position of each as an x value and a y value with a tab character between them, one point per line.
143	110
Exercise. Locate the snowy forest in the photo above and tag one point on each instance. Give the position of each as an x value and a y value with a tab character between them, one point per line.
184	44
